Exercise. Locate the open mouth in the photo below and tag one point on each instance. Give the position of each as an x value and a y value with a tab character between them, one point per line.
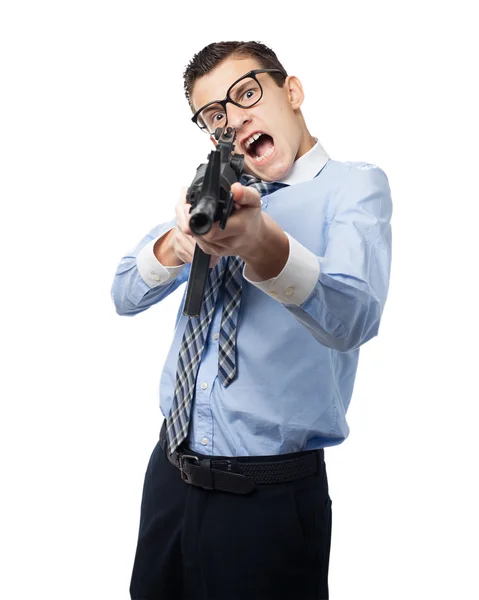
260	146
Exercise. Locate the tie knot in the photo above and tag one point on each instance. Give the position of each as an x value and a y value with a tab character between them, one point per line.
263	187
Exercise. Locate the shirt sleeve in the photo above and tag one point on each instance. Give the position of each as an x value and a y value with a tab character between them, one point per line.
141	280
151	270
342	307
296	281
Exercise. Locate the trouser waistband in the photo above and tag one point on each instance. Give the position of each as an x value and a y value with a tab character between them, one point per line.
240	474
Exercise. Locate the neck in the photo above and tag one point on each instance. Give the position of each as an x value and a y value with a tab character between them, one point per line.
307	140
306	144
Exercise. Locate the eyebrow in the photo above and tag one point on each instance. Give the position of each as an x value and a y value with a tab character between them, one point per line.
212	107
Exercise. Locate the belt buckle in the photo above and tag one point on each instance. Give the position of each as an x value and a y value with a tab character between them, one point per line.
181	463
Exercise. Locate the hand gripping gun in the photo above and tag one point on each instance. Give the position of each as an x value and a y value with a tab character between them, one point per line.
211	200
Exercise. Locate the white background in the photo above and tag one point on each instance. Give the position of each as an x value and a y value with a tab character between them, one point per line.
95	145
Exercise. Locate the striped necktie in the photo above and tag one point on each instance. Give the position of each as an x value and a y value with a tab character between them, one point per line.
228	270
233	287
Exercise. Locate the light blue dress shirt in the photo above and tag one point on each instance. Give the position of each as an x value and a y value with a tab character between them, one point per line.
296	362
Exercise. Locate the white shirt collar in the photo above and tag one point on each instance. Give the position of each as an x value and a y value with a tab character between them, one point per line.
307	166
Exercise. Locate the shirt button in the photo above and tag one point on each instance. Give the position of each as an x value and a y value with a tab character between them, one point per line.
204	441
289	291
273	293
204	386
155	276
216	336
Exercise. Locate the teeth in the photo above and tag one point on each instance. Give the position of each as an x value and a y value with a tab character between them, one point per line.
252	139
265	155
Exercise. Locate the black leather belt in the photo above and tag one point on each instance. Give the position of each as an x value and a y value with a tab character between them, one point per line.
240	475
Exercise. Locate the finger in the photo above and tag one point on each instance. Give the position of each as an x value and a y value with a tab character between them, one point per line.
182	210
186	219
210	247
181	197
246	195
187	242
185	250
184	246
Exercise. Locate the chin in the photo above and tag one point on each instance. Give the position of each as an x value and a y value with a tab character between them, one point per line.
276	172
269	172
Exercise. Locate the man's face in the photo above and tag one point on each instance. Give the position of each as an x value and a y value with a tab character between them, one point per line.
271	156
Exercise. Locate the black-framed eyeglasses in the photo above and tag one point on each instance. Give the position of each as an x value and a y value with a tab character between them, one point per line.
245	92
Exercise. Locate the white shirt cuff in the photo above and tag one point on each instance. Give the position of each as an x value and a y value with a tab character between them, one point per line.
296	281
151	270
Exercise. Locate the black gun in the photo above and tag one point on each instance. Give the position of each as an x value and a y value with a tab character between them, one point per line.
211	200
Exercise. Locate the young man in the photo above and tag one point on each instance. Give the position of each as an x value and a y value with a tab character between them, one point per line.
235	501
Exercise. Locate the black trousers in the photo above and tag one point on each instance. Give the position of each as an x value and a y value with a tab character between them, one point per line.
207	545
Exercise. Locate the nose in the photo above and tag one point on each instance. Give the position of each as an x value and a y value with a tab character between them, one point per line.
237	117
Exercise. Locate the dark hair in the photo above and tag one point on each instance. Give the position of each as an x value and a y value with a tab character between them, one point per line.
212	55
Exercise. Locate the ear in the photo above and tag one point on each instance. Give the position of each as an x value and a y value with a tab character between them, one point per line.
294	89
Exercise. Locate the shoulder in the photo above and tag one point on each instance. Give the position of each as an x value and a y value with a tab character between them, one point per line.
355	178
357	171
361	186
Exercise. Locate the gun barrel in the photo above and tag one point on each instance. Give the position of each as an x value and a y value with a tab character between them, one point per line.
202	215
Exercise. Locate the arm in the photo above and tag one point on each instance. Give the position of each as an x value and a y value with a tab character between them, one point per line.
141	278
338	297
